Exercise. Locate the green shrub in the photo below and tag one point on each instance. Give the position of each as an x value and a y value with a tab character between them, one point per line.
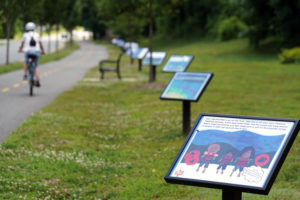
290	55
231	28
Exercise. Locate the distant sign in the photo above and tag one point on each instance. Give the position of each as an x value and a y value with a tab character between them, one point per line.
131	51
186	86
114	41
178	63
140	53
119	42
234	152
131	45
157	58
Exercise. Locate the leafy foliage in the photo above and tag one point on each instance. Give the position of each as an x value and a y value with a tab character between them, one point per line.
126	18
179	18
273	18
231	28
290	55
91	18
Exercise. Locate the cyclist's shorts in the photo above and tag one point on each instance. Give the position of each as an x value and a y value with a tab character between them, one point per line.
36	53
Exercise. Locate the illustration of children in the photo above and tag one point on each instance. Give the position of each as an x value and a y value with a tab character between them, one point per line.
245	157
225	160
209	156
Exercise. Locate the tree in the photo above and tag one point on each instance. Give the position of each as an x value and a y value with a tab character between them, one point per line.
286	22
279	18
71	16
10	11
126	18
49	16
91	18
178	17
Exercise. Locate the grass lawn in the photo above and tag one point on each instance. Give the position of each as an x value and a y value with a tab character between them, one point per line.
44	59
115	139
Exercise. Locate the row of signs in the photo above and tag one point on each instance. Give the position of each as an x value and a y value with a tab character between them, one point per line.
184	86
223	151
176	63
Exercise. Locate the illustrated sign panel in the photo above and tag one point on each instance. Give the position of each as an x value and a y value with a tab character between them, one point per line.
178	63
234	152
157	58
140	53
186	86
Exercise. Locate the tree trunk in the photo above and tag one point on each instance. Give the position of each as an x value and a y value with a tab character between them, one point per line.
41	30
56	43
152	68
49	43
71	38
8	27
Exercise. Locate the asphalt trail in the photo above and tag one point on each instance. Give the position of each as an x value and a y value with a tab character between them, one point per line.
56	77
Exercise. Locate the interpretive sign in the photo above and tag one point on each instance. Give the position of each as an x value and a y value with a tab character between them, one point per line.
236	153
114	41
140	53
157	58
187	86
120	42
178	63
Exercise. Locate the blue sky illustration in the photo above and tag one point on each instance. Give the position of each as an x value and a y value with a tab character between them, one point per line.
240	140
179	66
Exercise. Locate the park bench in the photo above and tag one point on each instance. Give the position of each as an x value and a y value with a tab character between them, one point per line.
113	66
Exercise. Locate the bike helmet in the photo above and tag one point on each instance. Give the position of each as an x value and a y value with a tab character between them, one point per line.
30	26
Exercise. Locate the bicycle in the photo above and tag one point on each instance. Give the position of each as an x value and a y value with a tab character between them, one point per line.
31	72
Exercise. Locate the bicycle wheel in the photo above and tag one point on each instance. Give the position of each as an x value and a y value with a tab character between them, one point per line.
31	87
31	80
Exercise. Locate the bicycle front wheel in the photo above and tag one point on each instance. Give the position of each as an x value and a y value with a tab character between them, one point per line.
31	84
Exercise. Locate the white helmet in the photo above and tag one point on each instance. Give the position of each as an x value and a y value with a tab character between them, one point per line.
30	26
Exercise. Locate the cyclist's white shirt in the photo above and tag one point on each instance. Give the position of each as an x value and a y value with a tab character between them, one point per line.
26	39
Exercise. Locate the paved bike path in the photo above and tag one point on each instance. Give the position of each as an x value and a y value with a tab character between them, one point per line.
56	77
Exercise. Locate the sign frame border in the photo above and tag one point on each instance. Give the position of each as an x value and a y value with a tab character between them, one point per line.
234	187
200	94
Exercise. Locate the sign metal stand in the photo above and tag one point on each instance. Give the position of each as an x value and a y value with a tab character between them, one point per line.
186	116
152	74
140	64
231	194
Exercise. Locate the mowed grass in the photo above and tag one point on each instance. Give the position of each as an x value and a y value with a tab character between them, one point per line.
114	139
43	59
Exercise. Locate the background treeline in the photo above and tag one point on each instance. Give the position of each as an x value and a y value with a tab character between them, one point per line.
221	19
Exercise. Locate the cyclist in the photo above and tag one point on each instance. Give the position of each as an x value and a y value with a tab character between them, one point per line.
32	46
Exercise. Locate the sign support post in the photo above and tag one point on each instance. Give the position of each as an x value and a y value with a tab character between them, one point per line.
231	194
152	74
140	64
186	116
